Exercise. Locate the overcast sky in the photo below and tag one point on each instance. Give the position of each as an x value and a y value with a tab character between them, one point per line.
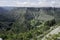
30	3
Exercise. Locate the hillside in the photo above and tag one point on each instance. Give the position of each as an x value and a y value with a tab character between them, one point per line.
26	23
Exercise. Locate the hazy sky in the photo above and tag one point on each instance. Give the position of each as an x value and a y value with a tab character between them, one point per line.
30	3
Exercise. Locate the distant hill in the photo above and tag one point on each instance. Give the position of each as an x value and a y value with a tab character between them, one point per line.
28	13
10	13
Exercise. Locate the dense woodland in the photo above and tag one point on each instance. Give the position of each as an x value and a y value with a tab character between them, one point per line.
24	23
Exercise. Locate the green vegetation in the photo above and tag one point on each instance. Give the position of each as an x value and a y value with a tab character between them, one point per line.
26	24
19	33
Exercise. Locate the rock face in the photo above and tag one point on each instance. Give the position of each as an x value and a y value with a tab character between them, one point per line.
53	12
